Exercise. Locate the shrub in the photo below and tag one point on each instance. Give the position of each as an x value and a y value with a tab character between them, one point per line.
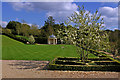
16	38
31	39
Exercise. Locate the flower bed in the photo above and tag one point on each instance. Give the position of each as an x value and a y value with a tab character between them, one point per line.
92	64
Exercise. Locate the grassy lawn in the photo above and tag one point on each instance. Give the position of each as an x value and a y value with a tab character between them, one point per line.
15	50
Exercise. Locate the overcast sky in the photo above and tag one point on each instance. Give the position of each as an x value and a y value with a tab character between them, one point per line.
37	12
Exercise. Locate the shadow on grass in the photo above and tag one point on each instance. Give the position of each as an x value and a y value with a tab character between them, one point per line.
37	65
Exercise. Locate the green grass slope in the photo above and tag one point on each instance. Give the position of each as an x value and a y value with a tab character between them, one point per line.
15	50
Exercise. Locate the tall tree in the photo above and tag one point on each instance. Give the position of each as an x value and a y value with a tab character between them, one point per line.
48	26
50	21
25	30
34	30
14	26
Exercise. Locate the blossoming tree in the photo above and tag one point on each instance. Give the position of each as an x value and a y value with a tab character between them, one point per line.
87	34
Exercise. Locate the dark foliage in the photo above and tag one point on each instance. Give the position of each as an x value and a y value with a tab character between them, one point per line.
16	38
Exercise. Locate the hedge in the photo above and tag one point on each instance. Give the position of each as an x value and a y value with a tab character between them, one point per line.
76	58
57	64
63	62
100	59
85	67
16	38
106	63
105	55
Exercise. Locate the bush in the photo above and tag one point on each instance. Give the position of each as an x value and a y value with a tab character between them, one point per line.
31	39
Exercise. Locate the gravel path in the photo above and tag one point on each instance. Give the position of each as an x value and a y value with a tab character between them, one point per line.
36	69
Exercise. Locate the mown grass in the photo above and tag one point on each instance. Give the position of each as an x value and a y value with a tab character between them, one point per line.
15	50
